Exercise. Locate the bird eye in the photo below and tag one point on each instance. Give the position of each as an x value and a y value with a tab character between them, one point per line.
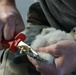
74	30
47	32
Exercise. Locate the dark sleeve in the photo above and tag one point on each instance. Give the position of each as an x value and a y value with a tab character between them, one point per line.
71	4
36	16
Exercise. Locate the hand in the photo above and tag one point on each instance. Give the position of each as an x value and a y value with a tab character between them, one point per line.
10	21
65	59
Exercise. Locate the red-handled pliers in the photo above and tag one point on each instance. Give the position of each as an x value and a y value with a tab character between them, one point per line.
13	44
17	42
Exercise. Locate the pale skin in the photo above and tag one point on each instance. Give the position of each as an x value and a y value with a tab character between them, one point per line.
65	59
64	51
10	20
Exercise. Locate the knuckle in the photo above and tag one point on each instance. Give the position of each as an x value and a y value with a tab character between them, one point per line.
7	16
46	49
58	49
43	49
57	46
10	17
37	67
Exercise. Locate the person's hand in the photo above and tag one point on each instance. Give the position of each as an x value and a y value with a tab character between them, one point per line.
65	59
10	21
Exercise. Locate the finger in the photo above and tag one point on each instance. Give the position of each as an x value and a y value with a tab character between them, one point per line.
52	49
36	64
46	68
33	61
9	28
1	27
43	67
19	24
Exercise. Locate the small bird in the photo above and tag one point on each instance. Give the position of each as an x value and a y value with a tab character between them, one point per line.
51	36
73	33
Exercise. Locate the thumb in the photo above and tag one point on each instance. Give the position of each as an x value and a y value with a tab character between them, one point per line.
49	49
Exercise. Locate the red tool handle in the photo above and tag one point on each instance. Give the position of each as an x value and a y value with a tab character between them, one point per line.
13	44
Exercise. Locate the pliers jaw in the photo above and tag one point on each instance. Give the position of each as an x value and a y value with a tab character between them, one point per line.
18	44
24	48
